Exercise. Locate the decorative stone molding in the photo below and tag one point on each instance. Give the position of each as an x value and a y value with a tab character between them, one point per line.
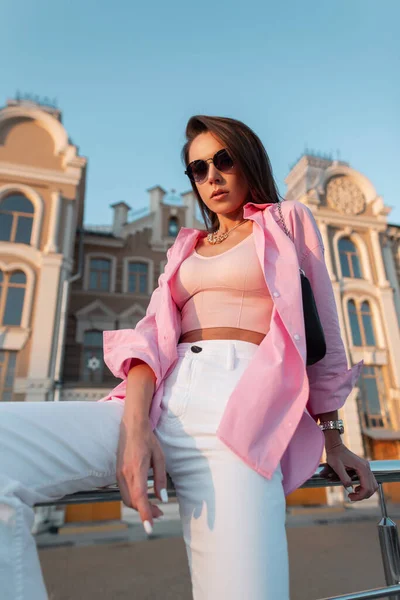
24	385
53	126
323	227
378	258
22	252
37	201
52	245
344	171
344	195
88	394
394	393
130	317
13	338
379	209
311	198
370	356
88	318
71	175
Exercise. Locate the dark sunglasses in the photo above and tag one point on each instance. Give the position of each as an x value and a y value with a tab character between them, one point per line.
197	170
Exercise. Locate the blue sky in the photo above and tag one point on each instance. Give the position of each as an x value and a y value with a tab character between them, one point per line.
128	75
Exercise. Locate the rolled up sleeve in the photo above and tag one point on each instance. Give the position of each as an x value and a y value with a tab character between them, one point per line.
330	379
122	347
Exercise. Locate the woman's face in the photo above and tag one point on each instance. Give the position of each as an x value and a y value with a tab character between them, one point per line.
204	146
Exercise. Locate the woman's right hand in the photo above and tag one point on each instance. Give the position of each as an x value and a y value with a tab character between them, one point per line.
138	450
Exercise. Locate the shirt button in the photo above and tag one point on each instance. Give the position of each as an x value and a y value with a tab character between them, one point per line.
276	294
296	336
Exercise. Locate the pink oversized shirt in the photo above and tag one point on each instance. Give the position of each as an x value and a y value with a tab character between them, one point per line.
270	416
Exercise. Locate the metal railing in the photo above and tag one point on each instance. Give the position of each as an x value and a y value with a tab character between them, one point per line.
385	471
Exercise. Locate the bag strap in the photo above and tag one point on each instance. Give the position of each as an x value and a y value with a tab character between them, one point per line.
286	230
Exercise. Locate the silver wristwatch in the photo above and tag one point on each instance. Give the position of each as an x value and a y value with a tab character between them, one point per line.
332	425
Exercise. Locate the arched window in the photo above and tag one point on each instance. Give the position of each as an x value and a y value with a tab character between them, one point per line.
16	219
362	329
138	274
12	296
349	259
354	324
173	226
367	325
100	274
92	357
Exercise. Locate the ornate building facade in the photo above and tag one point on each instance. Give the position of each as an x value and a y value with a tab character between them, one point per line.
62	283
362	255
42	191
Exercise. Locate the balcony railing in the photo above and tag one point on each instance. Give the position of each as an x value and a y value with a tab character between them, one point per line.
385	471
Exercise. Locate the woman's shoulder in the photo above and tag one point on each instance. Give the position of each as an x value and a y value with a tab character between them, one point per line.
294	206
302	224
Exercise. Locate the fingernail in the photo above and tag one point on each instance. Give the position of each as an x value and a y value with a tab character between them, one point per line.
164	495
147	527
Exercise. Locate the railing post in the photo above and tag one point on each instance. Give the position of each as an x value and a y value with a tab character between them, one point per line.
390	547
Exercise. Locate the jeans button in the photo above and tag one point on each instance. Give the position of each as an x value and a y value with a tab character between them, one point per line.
196	349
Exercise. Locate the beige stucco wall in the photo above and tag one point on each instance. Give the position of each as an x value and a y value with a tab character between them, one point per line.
24	141
36	159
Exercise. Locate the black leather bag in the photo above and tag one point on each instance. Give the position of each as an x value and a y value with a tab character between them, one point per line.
315	338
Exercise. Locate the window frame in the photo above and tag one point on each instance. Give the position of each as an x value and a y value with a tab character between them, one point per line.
362	252
38	206
150	273
350	255
358	302
174	218
16	215
28	298
113	272
91	380
384	415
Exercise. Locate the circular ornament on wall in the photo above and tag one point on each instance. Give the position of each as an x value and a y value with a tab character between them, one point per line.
93	363
344	195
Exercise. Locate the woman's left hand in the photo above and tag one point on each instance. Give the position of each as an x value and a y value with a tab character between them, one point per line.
339	458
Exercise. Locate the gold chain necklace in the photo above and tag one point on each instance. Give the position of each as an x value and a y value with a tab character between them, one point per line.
215	238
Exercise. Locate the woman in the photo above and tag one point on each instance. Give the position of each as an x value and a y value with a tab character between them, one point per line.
215	390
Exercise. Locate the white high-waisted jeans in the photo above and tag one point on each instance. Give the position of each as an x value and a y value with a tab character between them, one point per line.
233	518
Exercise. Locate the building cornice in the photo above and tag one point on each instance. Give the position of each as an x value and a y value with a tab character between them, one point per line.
357	222
72	175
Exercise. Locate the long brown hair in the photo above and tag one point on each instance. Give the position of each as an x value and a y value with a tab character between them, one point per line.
248	152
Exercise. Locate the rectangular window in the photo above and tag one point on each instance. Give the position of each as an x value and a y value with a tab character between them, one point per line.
93	368
137	278
100	275
93	365
372	389
14	306
7	373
